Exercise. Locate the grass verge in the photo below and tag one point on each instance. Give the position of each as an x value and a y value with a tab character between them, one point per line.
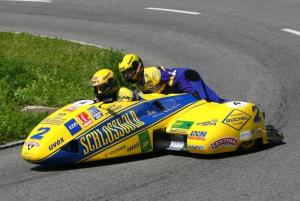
43	71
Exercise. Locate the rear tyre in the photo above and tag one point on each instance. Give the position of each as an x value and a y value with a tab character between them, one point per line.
248	145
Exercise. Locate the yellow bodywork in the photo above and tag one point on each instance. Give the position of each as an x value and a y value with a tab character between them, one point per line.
218	128
85	131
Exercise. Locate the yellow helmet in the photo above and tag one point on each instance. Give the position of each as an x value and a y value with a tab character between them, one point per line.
105	84
131	67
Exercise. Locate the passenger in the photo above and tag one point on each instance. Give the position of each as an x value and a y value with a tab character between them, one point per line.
159	79
106	87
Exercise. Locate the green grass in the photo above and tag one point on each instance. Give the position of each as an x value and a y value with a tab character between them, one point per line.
43	71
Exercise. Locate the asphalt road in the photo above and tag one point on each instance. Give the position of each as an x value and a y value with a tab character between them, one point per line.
239	48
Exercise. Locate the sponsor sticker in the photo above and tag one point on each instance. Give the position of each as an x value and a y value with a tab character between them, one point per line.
224	142
151	112
183	124
236	119
145	142
73	126
57	120
197	135
30	144
196	147
84	118
236	104
115	107
133	146
117	150
71	108
246	135
80	103
107	76
111	132
56	143
95	112
61	115
212	122
53	121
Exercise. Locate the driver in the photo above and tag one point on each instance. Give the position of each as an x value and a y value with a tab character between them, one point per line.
106	87
159	79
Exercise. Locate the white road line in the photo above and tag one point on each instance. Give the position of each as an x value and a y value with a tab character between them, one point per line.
39	1
171	10
83	43
54	37
291	31
71	40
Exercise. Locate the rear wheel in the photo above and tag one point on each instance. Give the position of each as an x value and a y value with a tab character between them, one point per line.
248	145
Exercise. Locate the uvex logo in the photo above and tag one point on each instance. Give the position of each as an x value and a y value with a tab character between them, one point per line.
57	143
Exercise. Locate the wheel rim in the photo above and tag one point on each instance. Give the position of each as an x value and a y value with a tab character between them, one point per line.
248	144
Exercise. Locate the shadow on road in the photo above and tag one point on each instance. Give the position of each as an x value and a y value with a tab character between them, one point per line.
107	162
128	159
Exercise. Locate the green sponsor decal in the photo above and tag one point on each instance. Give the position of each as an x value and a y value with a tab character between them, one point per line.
145	142
183	124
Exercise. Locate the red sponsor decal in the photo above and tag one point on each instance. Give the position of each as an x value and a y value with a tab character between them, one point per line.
224	142
84	119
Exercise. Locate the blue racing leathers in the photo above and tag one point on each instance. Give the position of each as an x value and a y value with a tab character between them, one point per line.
159	79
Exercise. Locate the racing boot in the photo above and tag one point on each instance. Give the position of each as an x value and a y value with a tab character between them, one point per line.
273	135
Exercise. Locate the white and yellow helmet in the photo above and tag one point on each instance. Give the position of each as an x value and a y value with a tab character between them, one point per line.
105	84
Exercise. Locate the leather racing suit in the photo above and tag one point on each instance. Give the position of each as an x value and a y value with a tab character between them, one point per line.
159	79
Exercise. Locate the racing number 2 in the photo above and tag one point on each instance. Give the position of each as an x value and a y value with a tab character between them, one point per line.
39	135
257	118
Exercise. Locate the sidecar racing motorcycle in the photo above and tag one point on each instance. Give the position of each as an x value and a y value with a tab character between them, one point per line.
86	131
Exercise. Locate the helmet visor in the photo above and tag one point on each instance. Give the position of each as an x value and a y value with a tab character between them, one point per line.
129	74
101	89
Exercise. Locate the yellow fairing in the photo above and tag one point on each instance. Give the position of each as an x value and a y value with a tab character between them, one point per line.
216	128
86	131
69	123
